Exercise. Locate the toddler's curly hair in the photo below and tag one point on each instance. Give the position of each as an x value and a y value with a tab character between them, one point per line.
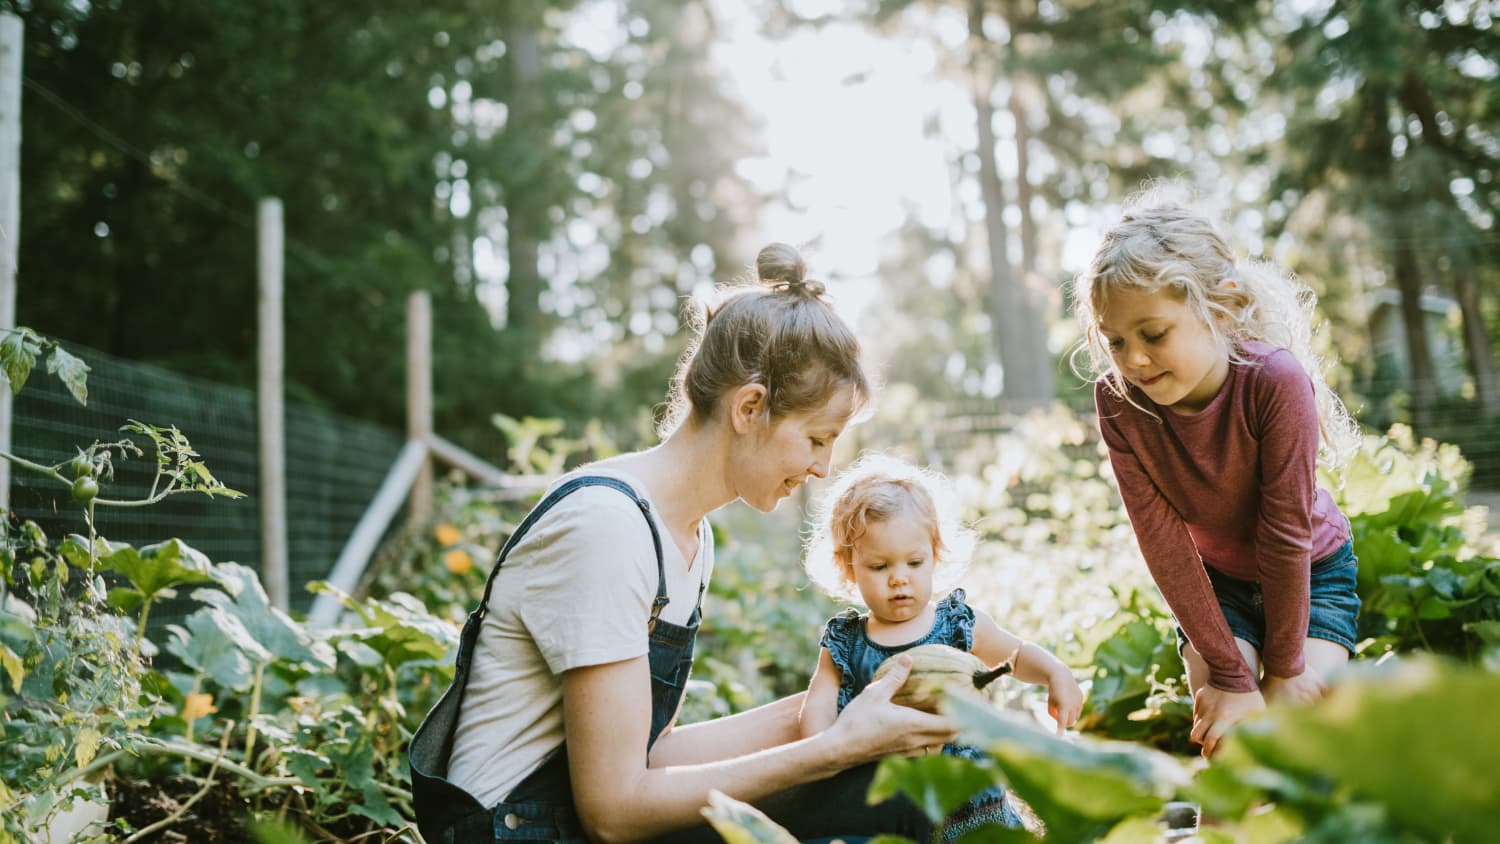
876	488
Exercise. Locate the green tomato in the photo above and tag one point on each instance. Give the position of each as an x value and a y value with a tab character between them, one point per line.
84	489
82	466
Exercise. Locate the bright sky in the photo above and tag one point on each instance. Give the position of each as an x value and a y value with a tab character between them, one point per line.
866	132
844	113
860	130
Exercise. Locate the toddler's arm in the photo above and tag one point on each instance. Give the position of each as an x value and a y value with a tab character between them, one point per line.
820	706
1030	663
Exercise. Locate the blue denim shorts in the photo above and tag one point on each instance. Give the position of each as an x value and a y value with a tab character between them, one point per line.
1332	615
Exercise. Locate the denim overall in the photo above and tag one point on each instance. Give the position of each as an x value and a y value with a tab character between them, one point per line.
857	656
541	807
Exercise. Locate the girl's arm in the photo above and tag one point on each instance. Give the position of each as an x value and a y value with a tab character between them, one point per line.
1287	415
607	712
1031	664
820	707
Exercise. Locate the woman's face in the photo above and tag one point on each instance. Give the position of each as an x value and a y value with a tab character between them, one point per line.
786	450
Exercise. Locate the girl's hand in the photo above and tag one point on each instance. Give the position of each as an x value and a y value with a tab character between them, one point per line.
871	727
1215	711
1064	699
1307	687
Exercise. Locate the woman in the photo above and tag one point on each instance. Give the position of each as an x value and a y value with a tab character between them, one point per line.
560	723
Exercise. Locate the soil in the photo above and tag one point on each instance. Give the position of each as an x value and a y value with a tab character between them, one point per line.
218	818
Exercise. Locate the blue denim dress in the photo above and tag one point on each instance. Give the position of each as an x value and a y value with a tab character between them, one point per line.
541	807
857	657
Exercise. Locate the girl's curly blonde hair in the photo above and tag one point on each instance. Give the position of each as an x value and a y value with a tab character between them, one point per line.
876	488
1162	245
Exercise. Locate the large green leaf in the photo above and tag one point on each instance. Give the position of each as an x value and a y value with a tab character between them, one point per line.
215	643
400	629
18	351
1081	787
938	784
245	599
272	831
1122	663
10	662
151	570
75	549
740	823
72	371
1418	737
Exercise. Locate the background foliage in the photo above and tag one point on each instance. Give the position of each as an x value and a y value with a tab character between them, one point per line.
559	176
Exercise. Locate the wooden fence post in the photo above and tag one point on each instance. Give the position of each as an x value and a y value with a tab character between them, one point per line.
419	397
11	36
269	405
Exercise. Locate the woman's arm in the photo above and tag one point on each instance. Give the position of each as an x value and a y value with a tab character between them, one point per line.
607	709
779	722
821	705
734	735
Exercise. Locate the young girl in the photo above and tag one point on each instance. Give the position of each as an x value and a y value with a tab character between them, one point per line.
1210	401
887	535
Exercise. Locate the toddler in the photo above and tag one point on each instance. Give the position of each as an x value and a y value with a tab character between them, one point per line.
888	536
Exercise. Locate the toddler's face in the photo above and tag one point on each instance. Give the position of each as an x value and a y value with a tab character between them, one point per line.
892	567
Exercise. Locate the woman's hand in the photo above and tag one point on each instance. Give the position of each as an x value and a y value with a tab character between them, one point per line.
1215	711
1307	687
871	727
1064	698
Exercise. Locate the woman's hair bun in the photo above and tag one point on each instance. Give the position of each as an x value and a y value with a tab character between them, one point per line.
781	266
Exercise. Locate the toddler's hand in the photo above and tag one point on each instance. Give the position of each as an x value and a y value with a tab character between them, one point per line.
1215	711
1064	699
1307	687
871	726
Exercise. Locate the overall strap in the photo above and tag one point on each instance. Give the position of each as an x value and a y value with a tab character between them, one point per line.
540	510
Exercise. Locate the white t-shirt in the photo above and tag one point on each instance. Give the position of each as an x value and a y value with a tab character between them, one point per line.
576	591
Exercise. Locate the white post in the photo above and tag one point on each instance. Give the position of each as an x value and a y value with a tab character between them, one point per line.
11	33
273	547
419	397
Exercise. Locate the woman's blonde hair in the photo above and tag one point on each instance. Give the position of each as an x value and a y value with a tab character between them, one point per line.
776	329
1163	246
876	488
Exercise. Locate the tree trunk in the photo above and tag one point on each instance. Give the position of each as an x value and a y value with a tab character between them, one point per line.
1477	349
1422	375
525	215
1418	100
1034	287
1010	314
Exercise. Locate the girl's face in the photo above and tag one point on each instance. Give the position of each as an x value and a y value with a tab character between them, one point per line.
1162	346
788	451
892	567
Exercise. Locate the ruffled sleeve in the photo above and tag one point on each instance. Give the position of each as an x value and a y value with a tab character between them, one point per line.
957	619
841	636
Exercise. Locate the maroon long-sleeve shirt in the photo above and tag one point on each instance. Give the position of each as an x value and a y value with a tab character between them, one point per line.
1233	486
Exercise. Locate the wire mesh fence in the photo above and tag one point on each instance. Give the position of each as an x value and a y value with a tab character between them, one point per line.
334	466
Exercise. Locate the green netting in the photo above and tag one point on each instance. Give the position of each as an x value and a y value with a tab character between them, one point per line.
334	466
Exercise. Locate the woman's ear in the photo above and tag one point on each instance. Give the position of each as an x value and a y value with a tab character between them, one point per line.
746	403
